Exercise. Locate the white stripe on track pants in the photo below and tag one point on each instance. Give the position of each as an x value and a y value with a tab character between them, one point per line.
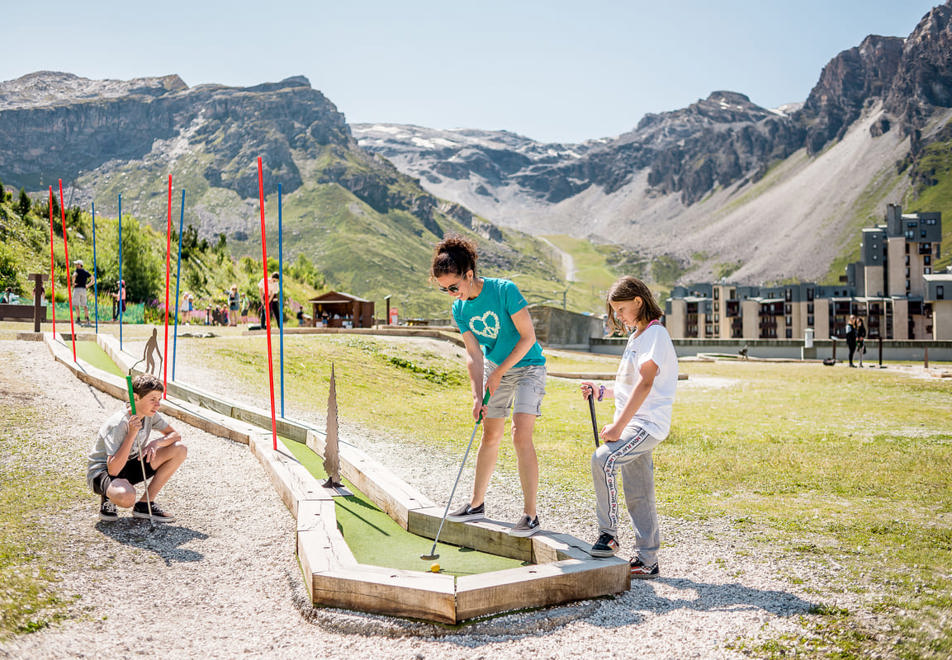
631	454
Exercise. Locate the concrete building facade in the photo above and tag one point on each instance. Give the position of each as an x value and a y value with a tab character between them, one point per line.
892	287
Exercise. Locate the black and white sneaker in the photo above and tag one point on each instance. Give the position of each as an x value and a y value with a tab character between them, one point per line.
525	527
605	546
107	511
468	513
141	510
639	571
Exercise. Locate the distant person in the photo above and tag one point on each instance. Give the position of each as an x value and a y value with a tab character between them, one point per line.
851	337
860	339
502	356
644	394
114	464
300	316
8	296
234	305
81	279
119	300
272	304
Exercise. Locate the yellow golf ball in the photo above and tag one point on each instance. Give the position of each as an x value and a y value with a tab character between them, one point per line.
435	567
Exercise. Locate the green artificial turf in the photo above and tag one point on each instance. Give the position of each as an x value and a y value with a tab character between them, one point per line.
91	352
376	539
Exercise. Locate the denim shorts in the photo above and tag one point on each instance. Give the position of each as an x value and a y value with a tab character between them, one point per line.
523	385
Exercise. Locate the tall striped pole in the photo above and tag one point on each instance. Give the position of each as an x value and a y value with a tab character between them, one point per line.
69	279
178	280
95	271
267	304
52	266
281	295
168	270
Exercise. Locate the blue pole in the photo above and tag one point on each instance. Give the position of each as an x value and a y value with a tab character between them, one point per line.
95	271
120	272
178	279
281	295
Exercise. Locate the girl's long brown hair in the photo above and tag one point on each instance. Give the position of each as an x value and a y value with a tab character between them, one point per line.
629	288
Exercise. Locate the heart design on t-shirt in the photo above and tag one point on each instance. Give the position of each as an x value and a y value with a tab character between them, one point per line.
486	325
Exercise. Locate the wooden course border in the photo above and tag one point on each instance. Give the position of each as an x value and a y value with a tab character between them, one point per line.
561	568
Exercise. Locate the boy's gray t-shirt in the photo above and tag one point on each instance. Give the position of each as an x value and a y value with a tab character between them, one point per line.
111	435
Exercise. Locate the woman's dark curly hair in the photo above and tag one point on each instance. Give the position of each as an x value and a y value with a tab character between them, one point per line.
454	255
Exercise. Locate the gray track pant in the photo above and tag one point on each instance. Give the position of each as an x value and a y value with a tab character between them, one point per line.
632	455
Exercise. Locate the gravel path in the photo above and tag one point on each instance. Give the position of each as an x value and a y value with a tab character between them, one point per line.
223	580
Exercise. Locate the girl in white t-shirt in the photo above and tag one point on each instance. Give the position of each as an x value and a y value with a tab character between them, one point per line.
643	392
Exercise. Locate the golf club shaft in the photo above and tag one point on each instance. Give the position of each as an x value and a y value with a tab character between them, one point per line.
458	475
591	408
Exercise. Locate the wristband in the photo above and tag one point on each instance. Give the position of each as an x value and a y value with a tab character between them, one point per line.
601	392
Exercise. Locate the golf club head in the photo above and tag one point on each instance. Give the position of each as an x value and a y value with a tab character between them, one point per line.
430	557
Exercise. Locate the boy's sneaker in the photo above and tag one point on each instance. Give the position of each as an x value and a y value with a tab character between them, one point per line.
468	513
107	511
641	572
525	527
605	546
141	510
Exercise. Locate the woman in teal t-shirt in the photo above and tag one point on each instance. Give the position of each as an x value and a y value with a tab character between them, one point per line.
502	355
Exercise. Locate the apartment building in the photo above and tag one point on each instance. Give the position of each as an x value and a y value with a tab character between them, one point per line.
892	287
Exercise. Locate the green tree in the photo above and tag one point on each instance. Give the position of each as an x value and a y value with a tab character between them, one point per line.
24	204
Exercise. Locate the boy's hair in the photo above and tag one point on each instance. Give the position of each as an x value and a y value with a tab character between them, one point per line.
454	255
145	383
629	288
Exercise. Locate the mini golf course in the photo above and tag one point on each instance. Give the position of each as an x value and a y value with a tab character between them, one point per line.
362	551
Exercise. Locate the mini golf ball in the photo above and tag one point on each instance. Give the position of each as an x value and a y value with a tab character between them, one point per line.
435	568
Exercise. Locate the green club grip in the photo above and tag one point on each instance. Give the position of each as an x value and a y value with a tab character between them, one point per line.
485	401
132	401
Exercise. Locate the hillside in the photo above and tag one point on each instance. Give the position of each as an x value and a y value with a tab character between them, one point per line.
723	187
208	270
367	228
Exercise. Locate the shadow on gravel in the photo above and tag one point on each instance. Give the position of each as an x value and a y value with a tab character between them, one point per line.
164	540
665	595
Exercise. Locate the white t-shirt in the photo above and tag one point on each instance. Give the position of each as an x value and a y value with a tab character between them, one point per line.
113	432
653	343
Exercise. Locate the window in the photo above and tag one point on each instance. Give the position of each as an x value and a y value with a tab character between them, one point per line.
788	320
927	260
717	293
810	320
940	292
907	248
809	294
907	272
907	259
927	270
809	308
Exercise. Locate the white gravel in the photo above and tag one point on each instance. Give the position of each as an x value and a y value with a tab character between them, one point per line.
223	580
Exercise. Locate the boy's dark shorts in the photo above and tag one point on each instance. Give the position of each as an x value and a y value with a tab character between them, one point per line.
131	472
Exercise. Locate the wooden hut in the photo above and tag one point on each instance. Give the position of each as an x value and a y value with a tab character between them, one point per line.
341	310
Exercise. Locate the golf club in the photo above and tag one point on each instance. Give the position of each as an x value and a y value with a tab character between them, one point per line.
433	554
148	501
591	408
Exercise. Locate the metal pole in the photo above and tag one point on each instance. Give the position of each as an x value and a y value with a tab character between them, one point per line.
178	281
281	296
95	271
121	283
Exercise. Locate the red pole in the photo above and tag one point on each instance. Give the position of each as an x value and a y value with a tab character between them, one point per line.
69	279
52	266
168	264
267	303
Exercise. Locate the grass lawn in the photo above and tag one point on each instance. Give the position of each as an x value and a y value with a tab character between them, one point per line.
843	466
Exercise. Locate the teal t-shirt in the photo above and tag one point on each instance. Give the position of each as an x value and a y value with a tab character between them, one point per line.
489	318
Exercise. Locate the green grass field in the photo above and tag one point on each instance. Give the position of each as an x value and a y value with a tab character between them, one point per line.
842	466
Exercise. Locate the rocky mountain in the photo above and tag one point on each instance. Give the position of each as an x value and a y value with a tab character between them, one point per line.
108	138
682	182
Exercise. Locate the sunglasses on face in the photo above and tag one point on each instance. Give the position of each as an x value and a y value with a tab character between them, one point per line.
452	288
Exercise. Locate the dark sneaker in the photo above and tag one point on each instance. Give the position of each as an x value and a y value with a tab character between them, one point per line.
525	527
141	510
107	511
605	546
641	572
468	513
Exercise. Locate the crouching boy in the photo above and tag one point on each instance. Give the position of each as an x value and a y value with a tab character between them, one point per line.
114	464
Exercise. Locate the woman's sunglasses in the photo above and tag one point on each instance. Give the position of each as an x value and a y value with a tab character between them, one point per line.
452	288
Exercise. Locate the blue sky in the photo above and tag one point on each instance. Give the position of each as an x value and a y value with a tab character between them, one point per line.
554	71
